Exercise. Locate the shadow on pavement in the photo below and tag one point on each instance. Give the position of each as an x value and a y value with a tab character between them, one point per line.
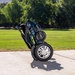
48	66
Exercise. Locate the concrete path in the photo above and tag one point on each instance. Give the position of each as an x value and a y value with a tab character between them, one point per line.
21	63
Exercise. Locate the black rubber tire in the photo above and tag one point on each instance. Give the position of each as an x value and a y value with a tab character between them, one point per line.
37	36
43	44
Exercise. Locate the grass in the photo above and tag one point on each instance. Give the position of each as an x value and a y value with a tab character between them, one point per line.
10	40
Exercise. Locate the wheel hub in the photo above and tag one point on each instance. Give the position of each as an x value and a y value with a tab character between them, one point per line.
43	52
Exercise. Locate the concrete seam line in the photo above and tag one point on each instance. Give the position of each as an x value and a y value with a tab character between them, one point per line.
64	56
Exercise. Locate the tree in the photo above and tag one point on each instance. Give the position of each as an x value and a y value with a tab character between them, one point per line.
2	5
40	11
2	17
66	12
20	0
26	1
54	1
13	12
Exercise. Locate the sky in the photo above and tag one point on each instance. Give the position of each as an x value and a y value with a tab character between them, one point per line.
1	1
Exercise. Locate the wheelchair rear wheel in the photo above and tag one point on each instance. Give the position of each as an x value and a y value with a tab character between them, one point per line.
43	52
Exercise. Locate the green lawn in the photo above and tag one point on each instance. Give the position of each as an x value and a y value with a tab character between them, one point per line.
10	40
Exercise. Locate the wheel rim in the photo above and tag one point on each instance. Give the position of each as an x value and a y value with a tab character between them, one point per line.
43	52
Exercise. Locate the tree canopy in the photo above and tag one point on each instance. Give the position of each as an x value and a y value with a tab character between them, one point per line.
66	12
13	11
48	13
2	5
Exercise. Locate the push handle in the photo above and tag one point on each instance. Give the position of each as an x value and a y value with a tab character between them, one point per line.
33	23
